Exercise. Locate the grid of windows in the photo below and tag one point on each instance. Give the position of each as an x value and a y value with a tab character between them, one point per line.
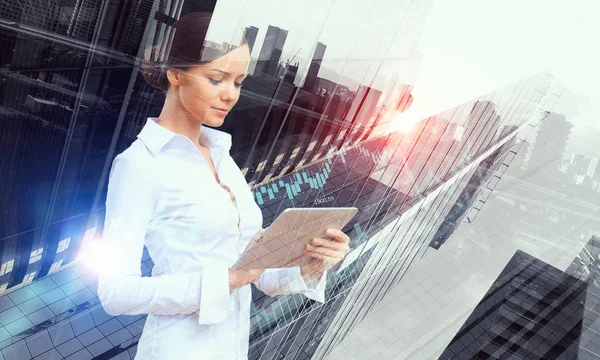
70	105
535	311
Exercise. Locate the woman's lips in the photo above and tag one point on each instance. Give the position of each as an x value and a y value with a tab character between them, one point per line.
221	112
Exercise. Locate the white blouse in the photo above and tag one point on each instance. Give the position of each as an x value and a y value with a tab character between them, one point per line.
162	194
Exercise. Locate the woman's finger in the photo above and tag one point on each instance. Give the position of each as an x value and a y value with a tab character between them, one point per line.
338	235
326	260
324	251
322	257
330	244
342	248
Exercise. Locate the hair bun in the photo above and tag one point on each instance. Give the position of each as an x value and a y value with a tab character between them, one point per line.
154	72
185	41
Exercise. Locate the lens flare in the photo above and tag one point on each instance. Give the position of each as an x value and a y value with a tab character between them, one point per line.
402	123
97	255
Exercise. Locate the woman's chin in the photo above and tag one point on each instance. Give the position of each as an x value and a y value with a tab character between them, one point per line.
214	121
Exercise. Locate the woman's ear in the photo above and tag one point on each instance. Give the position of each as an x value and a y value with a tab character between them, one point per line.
174	76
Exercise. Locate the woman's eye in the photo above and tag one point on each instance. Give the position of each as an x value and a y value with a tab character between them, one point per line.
217	81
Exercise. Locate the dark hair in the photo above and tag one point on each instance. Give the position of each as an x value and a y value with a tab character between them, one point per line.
184	45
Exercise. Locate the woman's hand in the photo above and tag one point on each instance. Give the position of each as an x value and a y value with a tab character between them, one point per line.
241	277
325	253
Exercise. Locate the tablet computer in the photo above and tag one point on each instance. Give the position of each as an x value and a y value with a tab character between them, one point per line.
282	244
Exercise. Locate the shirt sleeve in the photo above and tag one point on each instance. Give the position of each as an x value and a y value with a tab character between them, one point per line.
121	288
289	280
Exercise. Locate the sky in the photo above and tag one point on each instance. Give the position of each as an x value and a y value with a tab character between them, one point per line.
471	47
355	32
451	50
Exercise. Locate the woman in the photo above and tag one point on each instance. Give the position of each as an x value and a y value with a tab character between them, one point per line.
177	191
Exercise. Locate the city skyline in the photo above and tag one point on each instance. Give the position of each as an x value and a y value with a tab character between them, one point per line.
502	55
74	99
347	56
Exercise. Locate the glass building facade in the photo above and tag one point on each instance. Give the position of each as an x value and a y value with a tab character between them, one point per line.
318	124
535	311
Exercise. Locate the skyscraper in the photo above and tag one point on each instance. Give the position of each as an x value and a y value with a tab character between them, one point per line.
535	311
44	15
315	64
596	175
545	150
270	53
84	19
249	35
591	165
56	179
532	311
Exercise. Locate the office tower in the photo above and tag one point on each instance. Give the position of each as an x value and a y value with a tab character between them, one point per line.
591	166
270	53
471	192
44	15
582	169
596	175
189	6
132	32
448	169
578	164
310	83
532	311
481	125
547	146
84	19
536	311
290	73
249	35
55	179
391	231
362	113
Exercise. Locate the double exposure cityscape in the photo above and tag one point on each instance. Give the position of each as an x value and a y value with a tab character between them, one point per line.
478	227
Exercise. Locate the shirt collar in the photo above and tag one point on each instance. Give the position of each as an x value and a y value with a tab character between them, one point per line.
156	137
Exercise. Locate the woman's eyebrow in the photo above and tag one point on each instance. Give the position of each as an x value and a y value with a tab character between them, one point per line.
227	72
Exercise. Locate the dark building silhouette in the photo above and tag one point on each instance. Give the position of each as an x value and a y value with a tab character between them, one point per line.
46	15
289	73
532	311
84	19
70	102
250	33
536	311
311	82
270	53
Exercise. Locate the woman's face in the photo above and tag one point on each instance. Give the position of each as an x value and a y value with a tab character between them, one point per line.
208	91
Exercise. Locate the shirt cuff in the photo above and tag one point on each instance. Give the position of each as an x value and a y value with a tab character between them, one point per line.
214	296
315	290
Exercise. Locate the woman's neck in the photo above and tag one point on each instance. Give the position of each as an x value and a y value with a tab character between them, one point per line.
175	118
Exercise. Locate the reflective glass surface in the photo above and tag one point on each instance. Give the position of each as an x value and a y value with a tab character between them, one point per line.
320	122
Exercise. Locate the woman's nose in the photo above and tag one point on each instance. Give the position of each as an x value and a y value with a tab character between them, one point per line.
229	92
